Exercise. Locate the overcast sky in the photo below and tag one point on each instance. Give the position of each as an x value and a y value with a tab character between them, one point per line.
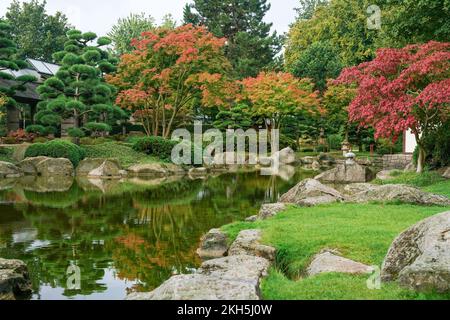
100	15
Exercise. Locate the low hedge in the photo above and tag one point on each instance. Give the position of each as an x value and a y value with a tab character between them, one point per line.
155	146
160	147
57	149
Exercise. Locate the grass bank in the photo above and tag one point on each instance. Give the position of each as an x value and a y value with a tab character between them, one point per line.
362	232
123	152
430	181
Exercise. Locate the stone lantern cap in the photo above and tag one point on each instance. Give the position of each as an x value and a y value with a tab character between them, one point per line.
350	155
350	158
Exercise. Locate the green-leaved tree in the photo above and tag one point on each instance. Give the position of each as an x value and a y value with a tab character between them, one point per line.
38	35
251	46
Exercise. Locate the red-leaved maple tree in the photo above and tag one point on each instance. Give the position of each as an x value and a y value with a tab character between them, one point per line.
275	96
402	89
167	72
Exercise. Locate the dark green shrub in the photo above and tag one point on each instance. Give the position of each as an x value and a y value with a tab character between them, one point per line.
76	133
155	146
385	146
437	146
287	142
97	128
57	149
37	129
335	141
89	141
162	148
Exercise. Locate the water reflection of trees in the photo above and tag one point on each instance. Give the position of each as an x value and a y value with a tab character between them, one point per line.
145	233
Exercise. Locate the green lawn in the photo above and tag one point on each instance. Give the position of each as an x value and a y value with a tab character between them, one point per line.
120	151
362	232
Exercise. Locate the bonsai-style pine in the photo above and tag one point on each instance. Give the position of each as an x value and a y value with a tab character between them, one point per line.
78	90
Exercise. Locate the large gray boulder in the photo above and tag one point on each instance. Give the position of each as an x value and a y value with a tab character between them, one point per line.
286	156
107	170
9	170
86	166
248	242
47	167
229	278
28	165
397	192
148	170
55	167
174	170
419	258
214	244
354	188
346	173
326	262
271	210
14	279
311	192
446	173
308	160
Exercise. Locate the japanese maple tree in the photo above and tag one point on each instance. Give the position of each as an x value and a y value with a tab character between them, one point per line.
402	89
275	96
170	70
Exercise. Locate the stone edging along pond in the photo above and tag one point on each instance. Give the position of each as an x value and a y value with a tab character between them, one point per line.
235	272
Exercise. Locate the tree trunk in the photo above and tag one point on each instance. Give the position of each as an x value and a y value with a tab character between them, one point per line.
421	160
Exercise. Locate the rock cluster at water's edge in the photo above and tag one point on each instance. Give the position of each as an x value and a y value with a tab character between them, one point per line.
9	170
395	192
311	192
47	167
346	173
214	244
14	279
235	277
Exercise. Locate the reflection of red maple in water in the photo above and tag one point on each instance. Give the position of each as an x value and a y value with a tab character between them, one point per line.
161	250
131	241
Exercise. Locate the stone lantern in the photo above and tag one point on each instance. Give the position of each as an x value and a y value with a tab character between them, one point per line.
350	158
345	147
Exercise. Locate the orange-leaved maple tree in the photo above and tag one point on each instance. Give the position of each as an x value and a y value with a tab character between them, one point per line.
401	89
274	96
170	70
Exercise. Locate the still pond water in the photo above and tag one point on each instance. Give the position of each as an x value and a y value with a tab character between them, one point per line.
124	236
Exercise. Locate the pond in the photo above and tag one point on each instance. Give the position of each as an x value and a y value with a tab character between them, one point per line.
124	236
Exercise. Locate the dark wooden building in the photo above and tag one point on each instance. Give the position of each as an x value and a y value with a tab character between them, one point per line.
42	71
